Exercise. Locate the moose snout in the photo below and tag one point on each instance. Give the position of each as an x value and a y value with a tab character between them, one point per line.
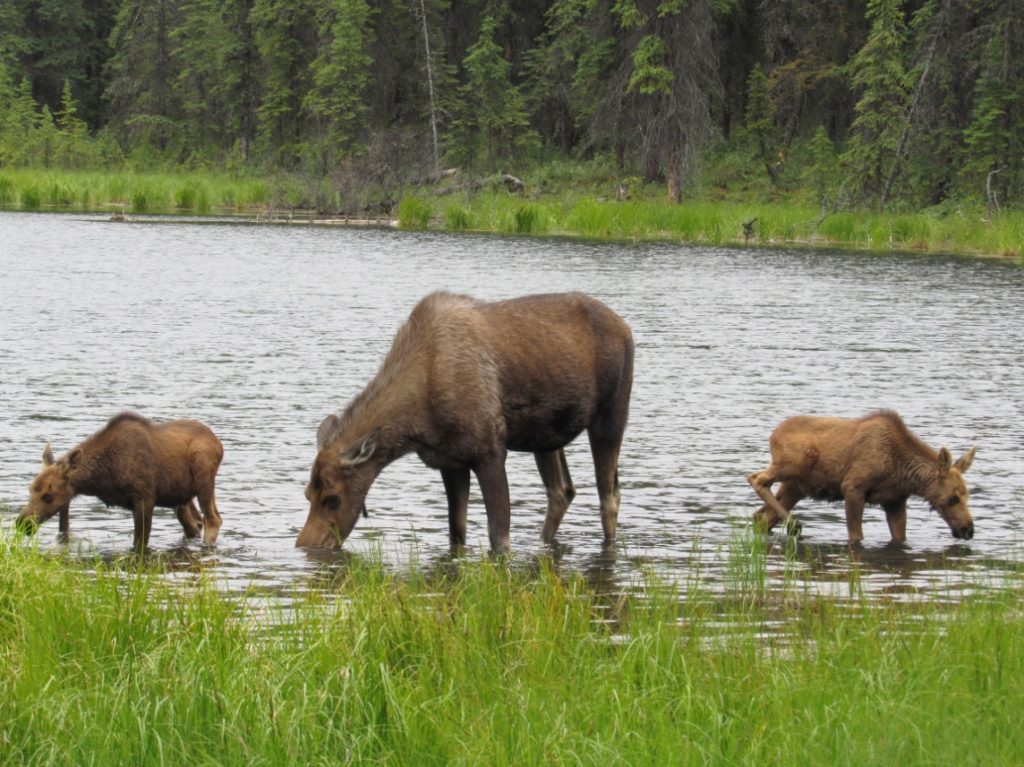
964	532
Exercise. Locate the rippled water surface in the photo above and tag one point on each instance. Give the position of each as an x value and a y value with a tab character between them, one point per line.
260	331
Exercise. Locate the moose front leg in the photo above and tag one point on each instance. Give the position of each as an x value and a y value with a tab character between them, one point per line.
554	471
854	515
490	474
64	522
773	511
456	488
896	516
142	511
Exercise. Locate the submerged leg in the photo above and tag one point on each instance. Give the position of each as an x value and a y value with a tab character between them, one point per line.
606	470
854	501
490	474
773	511
896	516
142	513
188	516
204	474
554	471
456	488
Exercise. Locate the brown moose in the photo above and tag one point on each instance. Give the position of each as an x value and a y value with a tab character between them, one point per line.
466	381
135	464
874	459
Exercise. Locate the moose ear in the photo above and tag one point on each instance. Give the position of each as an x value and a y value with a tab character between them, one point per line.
327	431
945	461
47	455
71	460
361	451
964	462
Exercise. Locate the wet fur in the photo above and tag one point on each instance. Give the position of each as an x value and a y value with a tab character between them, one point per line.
467	380
136	464
875	459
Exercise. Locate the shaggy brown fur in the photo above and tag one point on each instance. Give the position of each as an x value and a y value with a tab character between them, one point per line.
135	464
874	459
464	382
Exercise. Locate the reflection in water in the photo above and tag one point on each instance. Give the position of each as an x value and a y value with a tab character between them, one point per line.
261	331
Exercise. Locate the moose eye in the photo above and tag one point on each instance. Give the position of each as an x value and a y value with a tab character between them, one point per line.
953	501
330	502
47	498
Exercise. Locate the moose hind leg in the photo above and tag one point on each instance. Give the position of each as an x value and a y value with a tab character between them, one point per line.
554	471
188	516
456	488
606	470
204	474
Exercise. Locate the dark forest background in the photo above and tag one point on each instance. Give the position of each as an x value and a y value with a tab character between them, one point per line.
880	103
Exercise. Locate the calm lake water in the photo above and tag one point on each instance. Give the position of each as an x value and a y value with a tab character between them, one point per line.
260	331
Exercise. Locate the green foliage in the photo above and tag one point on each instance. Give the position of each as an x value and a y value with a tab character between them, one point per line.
881	78
414	213
493	123
760	123
821	173
486	664
340	76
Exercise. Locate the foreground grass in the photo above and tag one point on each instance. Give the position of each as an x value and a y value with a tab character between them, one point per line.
486	666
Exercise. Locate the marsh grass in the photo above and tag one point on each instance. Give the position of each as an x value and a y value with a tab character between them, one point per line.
142	193
564	200
483	663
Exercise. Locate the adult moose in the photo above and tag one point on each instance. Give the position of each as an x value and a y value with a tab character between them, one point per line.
136	464
874	459
466	381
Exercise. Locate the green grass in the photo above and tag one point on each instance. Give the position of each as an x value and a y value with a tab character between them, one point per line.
142	192
486	664
562	199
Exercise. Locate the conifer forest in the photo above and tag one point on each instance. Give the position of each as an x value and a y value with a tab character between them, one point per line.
882	104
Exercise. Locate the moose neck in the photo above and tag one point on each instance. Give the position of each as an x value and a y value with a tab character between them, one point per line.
919	473
396	411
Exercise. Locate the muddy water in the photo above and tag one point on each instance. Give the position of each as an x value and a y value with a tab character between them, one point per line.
261	331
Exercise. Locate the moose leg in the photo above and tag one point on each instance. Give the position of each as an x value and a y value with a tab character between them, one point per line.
456	488
188	515
64	521
896	516
142	512
854	515
490	474
211	516
606	469
554	471
762	482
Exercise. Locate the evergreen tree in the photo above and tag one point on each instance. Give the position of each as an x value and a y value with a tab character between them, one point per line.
881	77
285	32
760	124
73	141
340	74
209	80
143	70
994	138
493	121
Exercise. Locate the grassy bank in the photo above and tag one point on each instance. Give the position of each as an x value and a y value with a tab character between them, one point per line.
483	665
964	231
578	202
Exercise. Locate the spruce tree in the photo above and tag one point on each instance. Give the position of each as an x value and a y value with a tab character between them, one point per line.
880	76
